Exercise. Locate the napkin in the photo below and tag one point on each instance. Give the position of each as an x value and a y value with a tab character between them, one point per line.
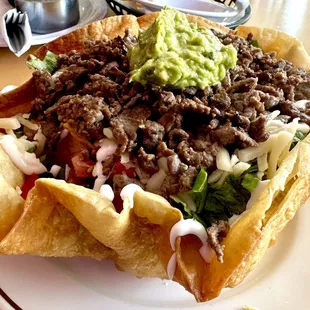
18	38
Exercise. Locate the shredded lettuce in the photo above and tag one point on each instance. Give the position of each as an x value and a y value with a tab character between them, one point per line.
197	194
249	182
31	150
255	43
49	63
42	158
213	203
299	136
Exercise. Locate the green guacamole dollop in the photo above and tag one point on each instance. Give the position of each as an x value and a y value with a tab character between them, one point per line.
173	52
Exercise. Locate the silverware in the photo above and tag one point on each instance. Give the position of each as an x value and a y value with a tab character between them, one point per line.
50	15
14	28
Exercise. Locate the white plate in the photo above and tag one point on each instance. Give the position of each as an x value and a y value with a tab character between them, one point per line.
280	282
90	11
204	8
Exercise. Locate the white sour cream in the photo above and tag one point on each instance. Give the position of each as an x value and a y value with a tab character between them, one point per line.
99	182
128	192
55	170
107	192
172	266
187	227
17	151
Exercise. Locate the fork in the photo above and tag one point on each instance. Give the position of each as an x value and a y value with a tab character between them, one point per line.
14	27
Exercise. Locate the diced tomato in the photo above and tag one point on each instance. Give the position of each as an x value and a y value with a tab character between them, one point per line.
82	166
119	168
72	178
66	149
28	185
118	203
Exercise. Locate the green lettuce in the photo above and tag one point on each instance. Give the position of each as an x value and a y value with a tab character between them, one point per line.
299	136
49	63
213	203
255	43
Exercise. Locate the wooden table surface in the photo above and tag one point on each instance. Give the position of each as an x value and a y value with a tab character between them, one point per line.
291	16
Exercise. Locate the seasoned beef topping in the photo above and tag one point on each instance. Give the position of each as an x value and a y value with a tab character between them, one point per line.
153	134
92	90
216	233
82	113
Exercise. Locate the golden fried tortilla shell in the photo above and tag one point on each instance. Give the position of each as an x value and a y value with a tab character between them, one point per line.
11	206
11	203
140	242
110	27
48	229
251	235
286	46
9	171
18	100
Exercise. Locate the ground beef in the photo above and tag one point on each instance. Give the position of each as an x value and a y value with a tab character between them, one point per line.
121	180
187	178
147	161
173	163
50	129
153	134
82	113
126	124
101	86
216	233
258	129
91	90
227	135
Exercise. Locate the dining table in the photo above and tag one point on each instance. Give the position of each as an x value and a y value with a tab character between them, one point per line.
290	16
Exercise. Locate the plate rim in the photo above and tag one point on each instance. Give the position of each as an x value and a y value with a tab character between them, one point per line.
9	300
147	3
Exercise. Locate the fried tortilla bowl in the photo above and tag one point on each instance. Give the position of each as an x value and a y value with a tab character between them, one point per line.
66	220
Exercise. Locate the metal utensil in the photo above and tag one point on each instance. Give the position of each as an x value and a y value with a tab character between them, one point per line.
50	15
15	29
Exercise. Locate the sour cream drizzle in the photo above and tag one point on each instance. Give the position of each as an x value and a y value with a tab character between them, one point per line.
188	227
17	151
172	266
107	192
128	192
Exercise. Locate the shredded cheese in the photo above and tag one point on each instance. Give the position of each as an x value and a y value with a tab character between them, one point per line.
9	123
55	170
239	168
108	133
107	148
17	151
156	181
284	139
223	161
27	123
67	171
41	139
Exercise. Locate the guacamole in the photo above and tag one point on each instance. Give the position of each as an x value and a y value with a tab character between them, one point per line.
173	52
